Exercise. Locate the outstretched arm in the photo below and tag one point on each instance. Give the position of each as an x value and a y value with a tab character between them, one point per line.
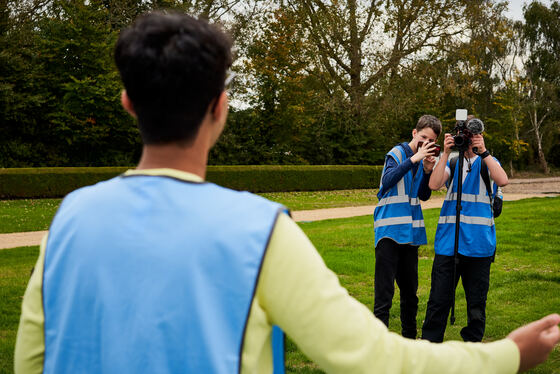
300	294
536	340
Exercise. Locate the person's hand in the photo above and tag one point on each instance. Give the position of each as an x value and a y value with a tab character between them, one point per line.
429	163
536	340
448	143
478	143
426	150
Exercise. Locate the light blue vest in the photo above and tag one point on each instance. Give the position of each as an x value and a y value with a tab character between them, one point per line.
477	233
398	215
149	274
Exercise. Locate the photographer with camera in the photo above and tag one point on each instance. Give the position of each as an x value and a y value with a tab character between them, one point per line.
399	224
465	250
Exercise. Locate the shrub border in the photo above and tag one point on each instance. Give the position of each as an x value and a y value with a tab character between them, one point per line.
17	183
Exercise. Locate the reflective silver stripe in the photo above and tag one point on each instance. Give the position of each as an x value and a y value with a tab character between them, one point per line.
449	189
397	152
480	198
400	188
467	219
398	199
418	223
401	191
393	200
392	221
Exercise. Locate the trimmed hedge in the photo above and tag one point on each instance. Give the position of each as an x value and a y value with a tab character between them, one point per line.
57	182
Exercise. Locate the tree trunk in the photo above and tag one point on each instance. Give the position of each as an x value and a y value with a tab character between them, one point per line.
538	135
511	172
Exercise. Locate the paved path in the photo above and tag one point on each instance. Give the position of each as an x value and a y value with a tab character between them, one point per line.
516	189
435	202
21	239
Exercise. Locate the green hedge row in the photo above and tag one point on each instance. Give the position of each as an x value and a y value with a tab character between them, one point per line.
57	182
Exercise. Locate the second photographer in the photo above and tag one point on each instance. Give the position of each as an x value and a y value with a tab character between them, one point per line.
476	239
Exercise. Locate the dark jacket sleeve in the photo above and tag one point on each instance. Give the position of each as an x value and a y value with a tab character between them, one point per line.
425	192
394	172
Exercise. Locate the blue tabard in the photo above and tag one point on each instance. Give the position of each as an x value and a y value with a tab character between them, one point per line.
398	215
151	274
477	233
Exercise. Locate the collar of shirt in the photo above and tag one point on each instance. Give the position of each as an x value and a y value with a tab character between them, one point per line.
407	150
174	173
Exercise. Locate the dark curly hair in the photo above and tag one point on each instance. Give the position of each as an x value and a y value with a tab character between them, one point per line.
172	66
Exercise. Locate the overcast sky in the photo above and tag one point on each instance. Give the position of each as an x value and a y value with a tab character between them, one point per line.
516	8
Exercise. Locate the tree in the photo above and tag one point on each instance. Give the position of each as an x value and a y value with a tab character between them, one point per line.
20	97
542	38
508	114
359	42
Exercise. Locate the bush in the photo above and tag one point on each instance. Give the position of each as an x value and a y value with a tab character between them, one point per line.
57	182
50	182
276	178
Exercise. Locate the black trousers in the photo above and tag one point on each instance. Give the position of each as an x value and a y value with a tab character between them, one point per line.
475	275
398	262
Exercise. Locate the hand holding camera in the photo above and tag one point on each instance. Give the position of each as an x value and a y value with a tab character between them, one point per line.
478	144
425	151
448	143
432	148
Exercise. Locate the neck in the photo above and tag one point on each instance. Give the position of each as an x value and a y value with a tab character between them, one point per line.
192	158
469	153
413	145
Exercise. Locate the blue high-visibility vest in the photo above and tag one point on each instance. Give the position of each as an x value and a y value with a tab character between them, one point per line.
398	215
477	233
151	274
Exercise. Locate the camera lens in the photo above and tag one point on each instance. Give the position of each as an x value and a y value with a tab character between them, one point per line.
460	140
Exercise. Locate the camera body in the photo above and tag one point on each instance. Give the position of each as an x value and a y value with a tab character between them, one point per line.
463	138
465	130
436	148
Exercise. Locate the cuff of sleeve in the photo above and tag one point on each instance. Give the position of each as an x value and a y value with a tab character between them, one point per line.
506	355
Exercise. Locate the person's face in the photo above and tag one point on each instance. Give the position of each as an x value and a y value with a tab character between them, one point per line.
424	135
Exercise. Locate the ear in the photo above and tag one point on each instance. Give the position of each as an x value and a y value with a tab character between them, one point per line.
127	104
414	132
220	109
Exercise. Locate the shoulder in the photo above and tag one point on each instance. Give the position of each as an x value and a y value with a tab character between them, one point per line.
397	153
242	196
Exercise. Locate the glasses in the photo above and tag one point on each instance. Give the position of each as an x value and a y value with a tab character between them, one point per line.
230	77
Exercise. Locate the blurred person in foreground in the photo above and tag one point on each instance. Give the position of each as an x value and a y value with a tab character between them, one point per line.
158	271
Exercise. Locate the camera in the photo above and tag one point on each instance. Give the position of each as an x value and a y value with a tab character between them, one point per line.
466	129
436	148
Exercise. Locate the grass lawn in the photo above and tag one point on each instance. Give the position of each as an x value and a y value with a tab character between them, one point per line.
27	215
36	214
524	280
